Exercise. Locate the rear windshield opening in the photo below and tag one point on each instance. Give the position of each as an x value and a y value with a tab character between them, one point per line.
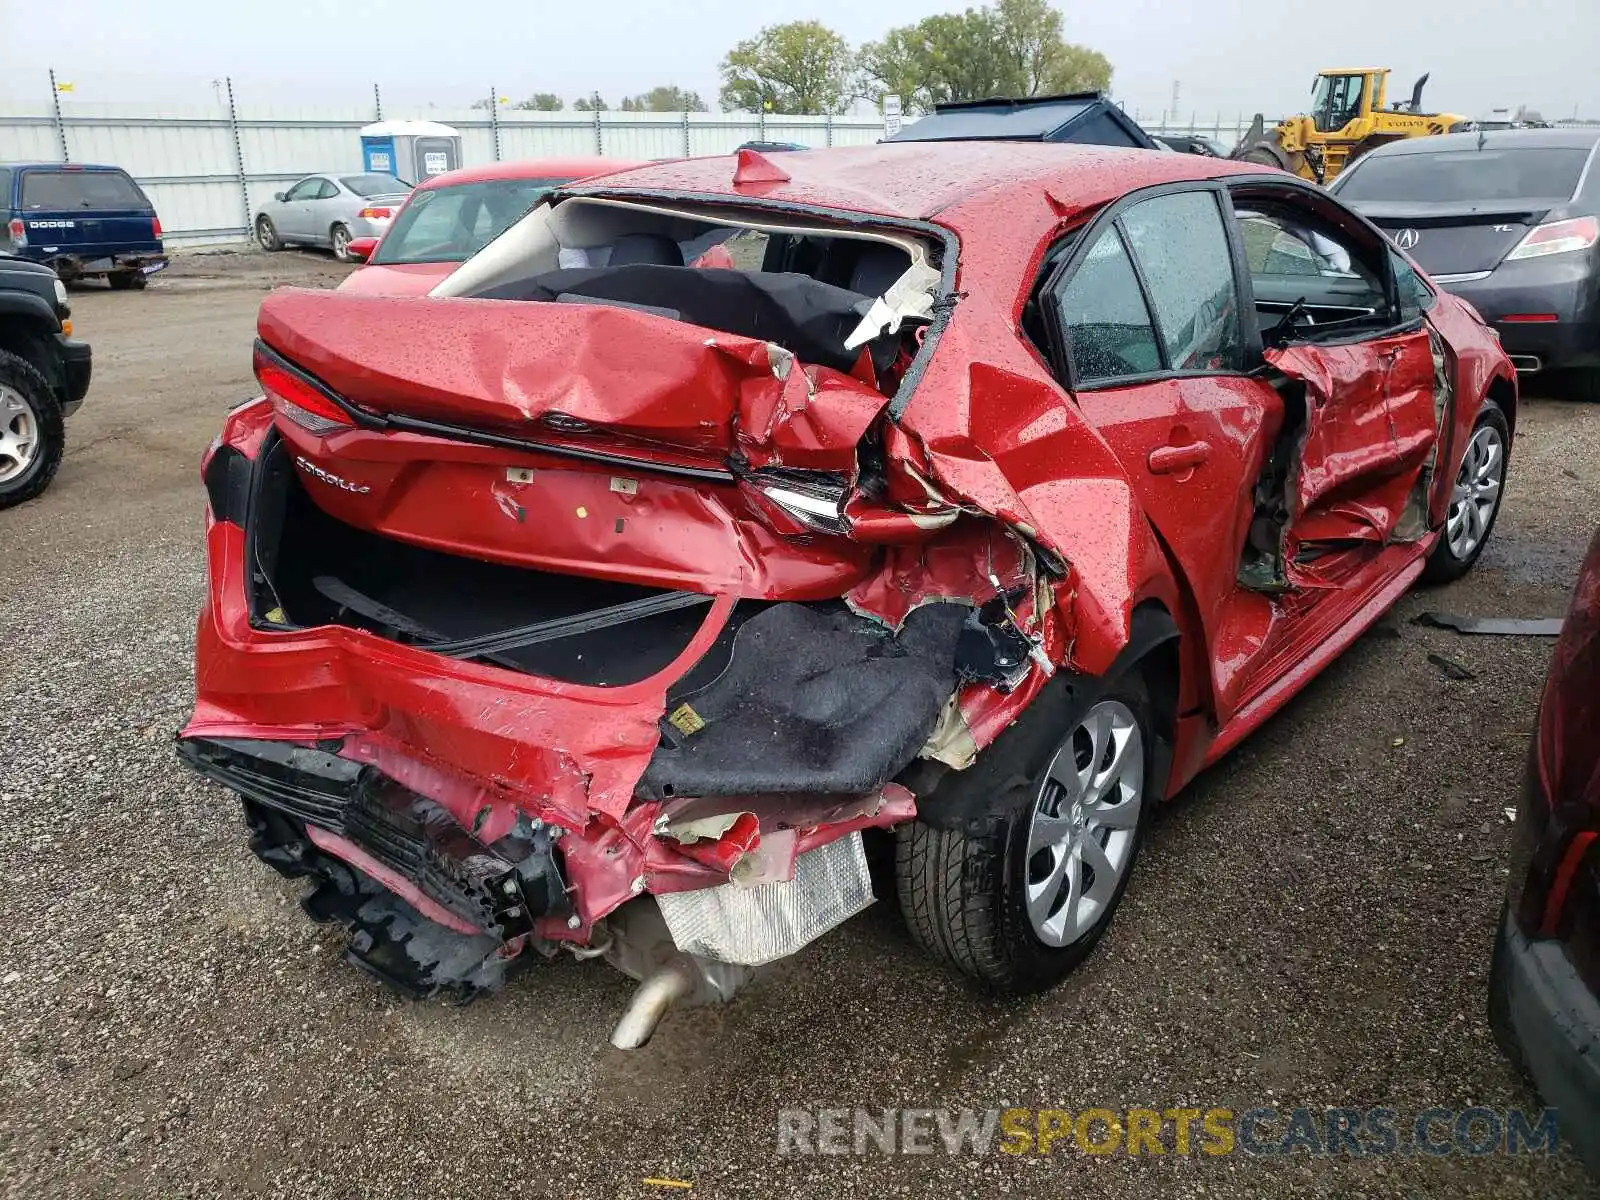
1525	173
847	299
106	191
375	185
451	224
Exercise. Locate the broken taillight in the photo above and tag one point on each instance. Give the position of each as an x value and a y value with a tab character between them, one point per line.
798	502
298	398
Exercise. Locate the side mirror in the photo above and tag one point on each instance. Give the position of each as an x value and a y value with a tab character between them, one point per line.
278	196
361	248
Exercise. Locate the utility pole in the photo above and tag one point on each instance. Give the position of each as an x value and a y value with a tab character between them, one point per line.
1174	108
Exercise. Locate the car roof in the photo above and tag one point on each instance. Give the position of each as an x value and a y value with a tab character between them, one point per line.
61	166
574	167
916	180
1494	139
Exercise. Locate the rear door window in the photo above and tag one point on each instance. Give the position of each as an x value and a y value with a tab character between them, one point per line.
374	185
101	191
1102	312
1182	247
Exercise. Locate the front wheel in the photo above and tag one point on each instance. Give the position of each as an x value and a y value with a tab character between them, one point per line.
32	435
267	234
1019	903
339	238
1474	500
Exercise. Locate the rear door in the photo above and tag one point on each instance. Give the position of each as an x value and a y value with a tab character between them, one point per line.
85	211
1147	323
329	205
1460	212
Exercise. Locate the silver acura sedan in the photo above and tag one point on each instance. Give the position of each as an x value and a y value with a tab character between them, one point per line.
330	210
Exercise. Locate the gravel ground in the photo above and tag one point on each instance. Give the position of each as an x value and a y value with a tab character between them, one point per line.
1310	923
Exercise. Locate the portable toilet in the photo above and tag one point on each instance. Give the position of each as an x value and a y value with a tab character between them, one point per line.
411	150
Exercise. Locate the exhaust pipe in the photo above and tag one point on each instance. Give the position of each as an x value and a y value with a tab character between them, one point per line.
1526	364
659	991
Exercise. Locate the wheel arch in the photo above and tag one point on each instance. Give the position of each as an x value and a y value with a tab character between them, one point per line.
1503	391
29	339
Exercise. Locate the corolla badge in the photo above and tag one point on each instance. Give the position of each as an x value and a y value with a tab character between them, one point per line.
1407	239
311	468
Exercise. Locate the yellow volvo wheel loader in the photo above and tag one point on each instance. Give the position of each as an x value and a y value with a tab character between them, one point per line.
1348	117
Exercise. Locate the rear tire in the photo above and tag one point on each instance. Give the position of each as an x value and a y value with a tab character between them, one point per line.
339	238
1013	899
267	234
1469	522
1505	1034
32	433
123	281
1579	385
1263	157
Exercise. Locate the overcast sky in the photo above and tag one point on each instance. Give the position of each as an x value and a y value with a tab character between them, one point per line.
1228	55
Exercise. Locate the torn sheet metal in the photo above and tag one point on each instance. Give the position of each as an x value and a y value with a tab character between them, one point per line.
1497	626
995	434
596	376
1370	432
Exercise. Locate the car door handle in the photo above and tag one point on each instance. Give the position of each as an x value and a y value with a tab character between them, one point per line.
1169	460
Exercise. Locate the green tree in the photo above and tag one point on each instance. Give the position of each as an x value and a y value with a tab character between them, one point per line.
1013	48
664	99
802	67
541	102
593	102
1039	57
952	56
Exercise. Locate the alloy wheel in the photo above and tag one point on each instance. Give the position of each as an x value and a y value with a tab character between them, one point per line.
1477	491
1085	817
19	434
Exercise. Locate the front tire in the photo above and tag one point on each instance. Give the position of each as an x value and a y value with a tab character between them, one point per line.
32	434
1021	900
267	234
339	238
1474	499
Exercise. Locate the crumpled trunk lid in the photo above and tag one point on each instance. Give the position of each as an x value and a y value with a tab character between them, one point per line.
645	385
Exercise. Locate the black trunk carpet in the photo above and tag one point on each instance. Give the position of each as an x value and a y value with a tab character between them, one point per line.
812	700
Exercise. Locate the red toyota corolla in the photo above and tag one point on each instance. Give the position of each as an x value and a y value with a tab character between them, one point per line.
986	494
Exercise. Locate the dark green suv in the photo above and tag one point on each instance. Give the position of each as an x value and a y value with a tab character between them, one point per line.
44	376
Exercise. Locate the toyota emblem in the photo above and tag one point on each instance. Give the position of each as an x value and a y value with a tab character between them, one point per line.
1407	239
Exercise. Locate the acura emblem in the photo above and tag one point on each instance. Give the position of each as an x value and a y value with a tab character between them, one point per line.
1407	239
